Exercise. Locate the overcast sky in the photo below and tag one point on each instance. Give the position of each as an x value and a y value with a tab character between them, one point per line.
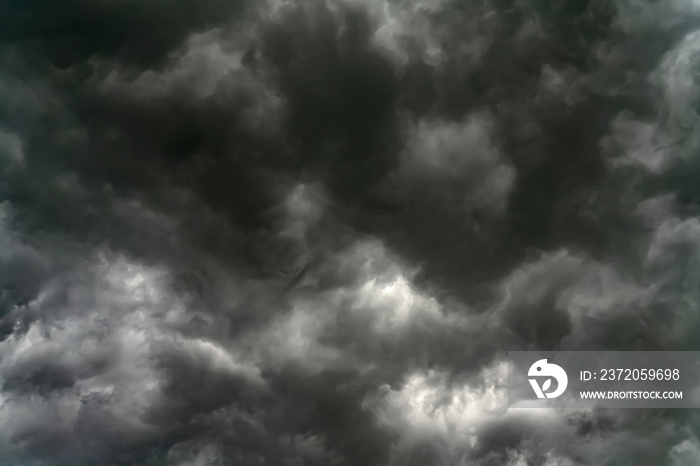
307	232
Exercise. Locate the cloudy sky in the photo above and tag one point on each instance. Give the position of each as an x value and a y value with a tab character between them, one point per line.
307	232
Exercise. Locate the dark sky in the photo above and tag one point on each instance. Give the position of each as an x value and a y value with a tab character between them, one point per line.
307	232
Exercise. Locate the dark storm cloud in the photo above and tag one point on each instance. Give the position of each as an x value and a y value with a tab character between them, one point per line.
307	232
70	32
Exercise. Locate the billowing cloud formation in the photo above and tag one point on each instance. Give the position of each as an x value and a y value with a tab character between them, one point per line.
307	232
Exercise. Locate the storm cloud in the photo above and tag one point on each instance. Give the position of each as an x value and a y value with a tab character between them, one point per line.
307	232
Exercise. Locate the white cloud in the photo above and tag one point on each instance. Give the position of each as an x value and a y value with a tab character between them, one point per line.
462	153
672	237
210	66
679	82
454	413
406	32
109	335
582	290
375	299
637	143
304	206
292	339
428	405
686	453
643	16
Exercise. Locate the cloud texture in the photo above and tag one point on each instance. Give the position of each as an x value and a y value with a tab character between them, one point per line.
307	232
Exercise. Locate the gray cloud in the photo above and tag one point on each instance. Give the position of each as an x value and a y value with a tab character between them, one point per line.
307	233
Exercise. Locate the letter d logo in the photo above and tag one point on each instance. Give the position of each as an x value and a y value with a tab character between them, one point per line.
542	368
